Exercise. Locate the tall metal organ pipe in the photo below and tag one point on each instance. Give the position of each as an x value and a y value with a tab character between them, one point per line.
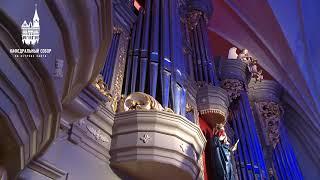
155	62
145	46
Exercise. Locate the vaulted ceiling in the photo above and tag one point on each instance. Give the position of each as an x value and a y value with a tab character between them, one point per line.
283	37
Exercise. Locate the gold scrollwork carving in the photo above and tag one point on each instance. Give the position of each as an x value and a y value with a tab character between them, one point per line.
139	101
102	87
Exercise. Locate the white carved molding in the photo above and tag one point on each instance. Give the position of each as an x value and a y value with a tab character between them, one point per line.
172	136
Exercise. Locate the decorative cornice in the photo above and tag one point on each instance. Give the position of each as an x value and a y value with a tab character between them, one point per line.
235	69
266	90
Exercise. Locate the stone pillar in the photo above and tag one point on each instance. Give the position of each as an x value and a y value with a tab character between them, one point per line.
235	76
279	155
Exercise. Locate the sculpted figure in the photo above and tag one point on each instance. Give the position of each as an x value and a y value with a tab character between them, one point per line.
233	53
221	154
252	65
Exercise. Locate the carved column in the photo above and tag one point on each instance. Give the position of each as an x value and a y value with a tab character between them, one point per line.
281	161
201	62
235	76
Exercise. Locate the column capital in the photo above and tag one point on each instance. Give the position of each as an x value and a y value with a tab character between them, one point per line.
233	87
192	18
271	114
205	6
266	95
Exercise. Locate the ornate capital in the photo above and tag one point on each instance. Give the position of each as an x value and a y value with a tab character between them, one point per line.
233	87
192	18
271	113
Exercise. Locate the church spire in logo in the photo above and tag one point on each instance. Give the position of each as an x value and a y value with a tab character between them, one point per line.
36	18
31	31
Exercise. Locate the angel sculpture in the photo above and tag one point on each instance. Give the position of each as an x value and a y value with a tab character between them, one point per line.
221	154
233	53
257	75
245	57
252	65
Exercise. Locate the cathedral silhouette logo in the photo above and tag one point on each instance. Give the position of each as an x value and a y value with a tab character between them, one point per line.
31	30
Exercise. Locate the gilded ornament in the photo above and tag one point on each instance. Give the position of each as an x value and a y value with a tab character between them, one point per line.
102	87
141	101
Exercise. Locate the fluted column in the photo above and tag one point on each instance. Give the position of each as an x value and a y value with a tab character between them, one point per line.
156	64
202	69
265	97
235	76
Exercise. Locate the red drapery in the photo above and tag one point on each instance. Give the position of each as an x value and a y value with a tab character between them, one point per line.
207	131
